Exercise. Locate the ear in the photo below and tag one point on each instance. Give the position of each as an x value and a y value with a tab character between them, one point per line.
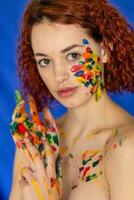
104	54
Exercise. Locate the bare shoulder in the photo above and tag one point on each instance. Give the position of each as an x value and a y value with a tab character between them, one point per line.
121	135
119	150
119	163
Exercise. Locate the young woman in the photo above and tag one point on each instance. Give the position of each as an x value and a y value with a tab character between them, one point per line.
75	52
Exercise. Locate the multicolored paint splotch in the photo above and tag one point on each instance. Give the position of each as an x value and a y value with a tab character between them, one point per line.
89	71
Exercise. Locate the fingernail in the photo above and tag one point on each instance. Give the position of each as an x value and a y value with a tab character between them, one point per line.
26	140
18	96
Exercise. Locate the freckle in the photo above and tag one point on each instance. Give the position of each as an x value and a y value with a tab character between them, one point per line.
101	172
75	186
115	146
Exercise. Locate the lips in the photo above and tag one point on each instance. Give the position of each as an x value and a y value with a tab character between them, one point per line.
67	92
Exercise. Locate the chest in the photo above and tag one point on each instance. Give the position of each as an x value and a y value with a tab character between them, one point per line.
83	167
84	174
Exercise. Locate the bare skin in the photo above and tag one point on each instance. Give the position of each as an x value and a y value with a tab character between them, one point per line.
73	188
114	127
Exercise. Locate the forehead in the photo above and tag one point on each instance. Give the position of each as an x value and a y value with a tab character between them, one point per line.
48	35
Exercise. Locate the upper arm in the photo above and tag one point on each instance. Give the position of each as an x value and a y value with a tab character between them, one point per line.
119	167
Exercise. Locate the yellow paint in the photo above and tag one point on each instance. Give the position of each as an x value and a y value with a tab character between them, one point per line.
91	135
63	150
75	140
36	187
90	152
62	133
80	79
47	188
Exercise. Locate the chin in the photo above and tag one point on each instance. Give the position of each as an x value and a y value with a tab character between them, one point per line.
75	102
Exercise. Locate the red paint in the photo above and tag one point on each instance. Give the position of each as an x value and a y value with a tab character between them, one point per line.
76	68
21	128
81	169
86	170
98	58
86	76
88	49
51	129
53	148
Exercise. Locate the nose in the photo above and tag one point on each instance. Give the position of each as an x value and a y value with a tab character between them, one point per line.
61	73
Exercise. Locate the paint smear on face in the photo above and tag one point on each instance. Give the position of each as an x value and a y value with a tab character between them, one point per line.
88	70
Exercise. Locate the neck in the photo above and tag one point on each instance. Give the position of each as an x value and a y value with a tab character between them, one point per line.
91	115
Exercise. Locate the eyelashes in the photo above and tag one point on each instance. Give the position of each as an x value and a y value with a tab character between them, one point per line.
44	62
73	56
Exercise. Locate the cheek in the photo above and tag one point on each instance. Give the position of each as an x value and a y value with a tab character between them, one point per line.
88	70
44	76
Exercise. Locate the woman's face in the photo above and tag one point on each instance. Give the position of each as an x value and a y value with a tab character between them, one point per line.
67	57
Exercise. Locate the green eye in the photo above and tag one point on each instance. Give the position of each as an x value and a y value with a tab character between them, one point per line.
74	56
44	62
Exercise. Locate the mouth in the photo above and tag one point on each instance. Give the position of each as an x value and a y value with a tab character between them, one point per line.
67	92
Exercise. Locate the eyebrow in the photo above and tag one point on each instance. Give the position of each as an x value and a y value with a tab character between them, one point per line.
62	51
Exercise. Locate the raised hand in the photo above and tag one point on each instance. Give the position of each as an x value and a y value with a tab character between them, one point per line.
43	138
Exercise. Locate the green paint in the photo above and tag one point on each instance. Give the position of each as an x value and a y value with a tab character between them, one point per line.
71	155
49	138
122	140
58	165
116	132
13	127
28	123
84	162
45	163
18	115
95	163
18	96
56	140
91	177
81	62
39	134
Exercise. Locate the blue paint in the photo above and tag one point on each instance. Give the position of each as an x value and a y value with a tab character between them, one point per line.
79	73
85	41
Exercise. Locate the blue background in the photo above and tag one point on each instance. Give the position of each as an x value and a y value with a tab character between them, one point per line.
10	16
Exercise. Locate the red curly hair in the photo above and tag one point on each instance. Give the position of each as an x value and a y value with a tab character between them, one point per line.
103	22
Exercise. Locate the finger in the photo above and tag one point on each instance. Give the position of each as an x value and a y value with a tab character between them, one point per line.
19	116
59	174
23	183
34	112
49	159
19	113
27	173
49	119
51	168
52	131
36	158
